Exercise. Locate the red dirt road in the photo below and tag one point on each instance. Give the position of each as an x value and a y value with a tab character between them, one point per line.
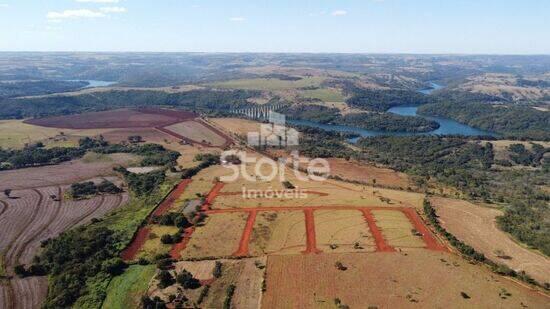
245	238
311	241
172	197
427	236
381	244
178	247
140	238
212	195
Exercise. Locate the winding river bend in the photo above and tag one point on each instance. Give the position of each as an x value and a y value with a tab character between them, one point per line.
446	125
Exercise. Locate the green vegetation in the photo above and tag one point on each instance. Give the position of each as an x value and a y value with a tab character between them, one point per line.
470	252
206	101
467	166
229	296
36	155
125	291
89	188
323	94
370	121
517	121
27	88
272	84
388	122
523	156
382	100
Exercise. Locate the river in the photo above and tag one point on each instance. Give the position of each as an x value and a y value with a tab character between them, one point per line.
446	125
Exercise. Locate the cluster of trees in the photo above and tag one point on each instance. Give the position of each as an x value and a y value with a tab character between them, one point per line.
467	165
37	155
206	159
142	184
76	256
27	88
468	251
521	155
388	122
519	121
89	188
381	100
371	121
317	143
207	101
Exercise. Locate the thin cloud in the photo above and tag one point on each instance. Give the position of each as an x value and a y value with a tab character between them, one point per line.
237	19
74	14
113	9
339	13
4	5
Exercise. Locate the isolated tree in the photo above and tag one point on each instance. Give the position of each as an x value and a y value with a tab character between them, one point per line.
7	192
165	279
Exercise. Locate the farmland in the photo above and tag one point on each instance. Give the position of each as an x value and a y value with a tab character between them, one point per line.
476	226
34	215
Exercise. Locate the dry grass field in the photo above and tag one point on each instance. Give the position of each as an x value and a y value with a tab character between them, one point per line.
476	226
280	232
218	237
16	134
197	132
420	278
270	84
237	126
342	231
397	229
153	245
355	171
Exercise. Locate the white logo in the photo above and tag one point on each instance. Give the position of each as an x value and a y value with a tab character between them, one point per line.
274	133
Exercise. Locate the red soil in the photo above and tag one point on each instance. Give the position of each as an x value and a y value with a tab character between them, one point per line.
311	241
118	118
429	239
381	244
212	195
178	247
245	239
304	191
172	197
141	236
143	233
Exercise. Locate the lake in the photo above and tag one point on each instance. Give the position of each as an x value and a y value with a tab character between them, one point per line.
446	125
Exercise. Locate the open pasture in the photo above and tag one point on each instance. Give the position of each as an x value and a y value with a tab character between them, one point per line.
198	132
270	84
476	226
420	278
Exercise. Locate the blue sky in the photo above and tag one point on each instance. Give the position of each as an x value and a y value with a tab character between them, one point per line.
363	26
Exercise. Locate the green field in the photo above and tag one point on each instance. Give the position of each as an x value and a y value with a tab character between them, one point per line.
271	84
125	291
324	94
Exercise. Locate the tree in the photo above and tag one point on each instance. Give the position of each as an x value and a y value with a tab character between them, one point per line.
217	272
186	280
165	279
167	239
7	192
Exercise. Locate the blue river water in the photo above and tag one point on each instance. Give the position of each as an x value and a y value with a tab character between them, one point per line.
446	125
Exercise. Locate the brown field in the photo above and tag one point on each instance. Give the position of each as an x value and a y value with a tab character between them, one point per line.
218	237
397	229
423	279
280	232
246	274
237	126
367	173
16	134
64	173
32	216
198	132
344	230
476	226
119	118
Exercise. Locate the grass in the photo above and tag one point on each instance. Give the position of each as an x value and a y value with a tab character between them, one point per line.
324	94
153	245
270	83
124	221
125	290
15	133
